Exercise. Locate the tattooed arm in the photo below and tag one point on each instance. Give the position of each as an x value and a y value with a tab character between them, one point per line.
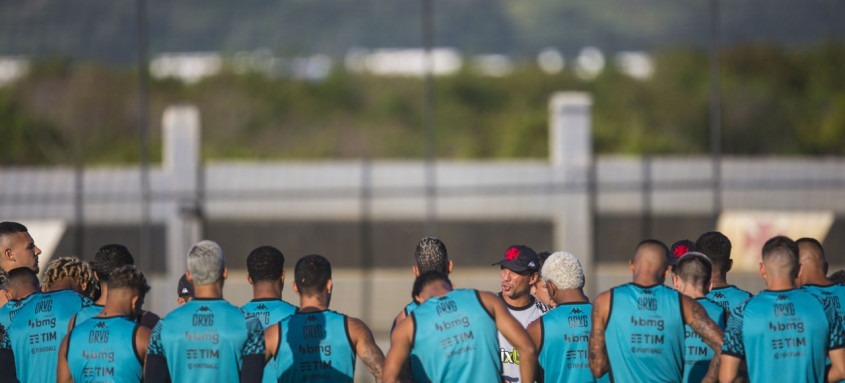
365	346
599	362
696	317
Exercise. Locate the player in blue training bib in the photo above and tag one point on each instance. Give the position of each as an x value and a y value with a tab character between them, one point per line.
452	336
430	255
638	328
21	287
317	344
691	277
207	339
717	247
562	335
266	273
783	333
111	346
37	330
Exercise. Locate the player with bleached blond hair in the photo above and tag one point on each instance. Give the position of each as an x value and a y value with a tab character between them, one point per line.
562	335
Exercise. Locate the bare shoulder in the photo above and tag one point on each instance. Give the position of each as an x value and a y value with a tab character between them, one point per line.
399	317
144	333
357	327
602	302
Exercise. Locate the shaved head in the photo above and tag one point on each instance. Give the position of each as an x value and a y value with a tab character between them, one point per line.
810	251
780	257
651	260
812	260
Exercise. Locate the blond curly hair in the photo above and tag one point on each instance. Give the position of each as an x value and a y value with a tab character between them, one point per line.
70	267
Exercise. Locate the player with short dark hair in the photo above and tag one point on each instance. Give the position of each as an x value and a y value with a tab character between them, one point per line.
316	344
783	333
111	346
266	273
31	341
207	339
436	336
21	287
17	249
717	247
107	259
638	327
691	276
811	276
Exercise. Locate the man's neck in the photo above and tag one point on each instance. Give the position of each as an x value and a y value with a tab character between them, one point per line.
570	296
776	284
648	280
718	279
212	291
266	290
521	301
815	279
104	294
693	292
312	303
113	309
64	284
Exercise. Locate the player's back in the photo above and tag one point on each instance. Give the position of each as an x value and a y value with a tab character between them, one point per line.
11	308
645	334
315	347
697	354
103	349
729	297
205	340
37	330
268	311
87	313
784	336
832	295
455	340
565	344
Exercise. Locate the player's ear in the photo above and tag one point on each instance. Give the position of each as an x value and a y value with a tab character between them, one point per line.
729	265
552	288
189	277
415	270
295	287
225	273
329	286
249	279
762	270
449	267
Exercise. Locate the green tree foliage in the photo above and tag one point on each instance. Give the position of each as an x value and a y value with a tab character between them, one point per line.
774	102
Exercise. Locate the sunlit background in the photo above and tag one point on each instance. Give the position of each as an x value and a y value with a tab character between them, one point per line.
353	128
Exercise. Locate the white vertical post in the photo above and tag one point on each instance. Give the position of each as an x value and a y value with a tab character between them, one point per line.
181	164
570	151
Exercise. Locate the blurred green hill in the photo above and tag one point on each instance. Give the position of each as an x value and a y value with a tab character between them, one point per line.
776	101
